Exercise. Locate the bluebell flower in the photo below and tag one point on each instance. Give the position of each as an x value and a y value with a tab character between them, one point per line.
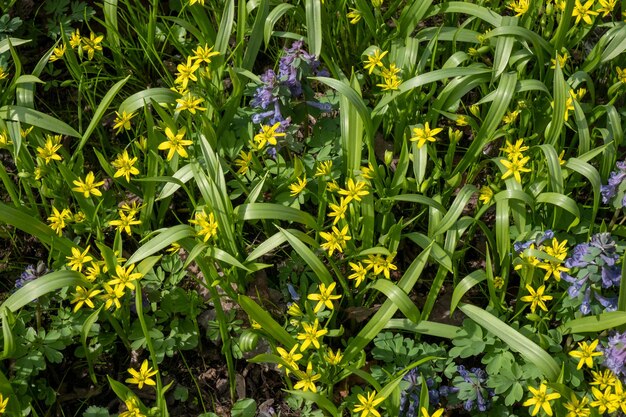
615	354
609	303
477	378
31	273
585	307
292	292
611	276
615	179
577	254
576	285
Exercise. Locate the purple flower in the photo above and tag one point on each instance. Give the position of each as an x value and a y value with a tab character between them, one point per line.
615	179
576	284
609	303
611	276
31	273
576	257
615	354
585	307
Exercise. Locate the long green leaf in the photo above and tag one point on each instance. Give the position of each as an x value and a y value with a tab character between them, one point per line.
271	211
430	328
99	113
162	96
313	11
309	257
398	297
464	286
594	324
533	354
36	118
456	209
163	239
42	286
268	324
388	309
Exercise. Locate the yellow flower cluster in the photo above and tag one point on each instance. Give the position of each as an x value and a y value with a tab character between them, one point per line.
515	160
391	80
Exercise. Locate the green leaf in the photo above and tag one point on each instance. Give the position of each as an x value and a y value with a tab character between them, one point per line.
42	286
387	310
309	257
271	211
162	96
268	324
464	286
245	407
398	297
594	324
36	118
163	239
321	401
515	340
313	12
273	17
456	209
430	328
99	113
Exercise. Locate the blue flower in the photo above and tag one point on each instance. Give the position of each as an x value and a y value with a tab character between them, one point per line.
31	273
615	354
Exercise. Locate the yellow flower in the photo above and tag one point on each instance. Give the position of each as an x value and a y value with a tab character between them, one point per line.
541	399
131	209
354	191
377	3
57	53
552	268
208	224
3	73
49	151
290	357
462	120
133	408
324	168
557	249
310	335
605	401
142	376
78	258
297	187
375	60
562	61
89	186
425	134
268	134
586	353
335	240
621	75
514	151
391	83
175	143
536	298
338	211
358	273
519	6
577	408
57	220
83	296
192	2
186	72
204	54
367	406
486	194
124	164
190	103
333	358
514	168
510	117
324	298
603	379
381	265
367	172
582	11
75	39
437	413
124	277
92	44
125	222
112	296
243	162
354	15
93	272
3	404
4	139
307	379
122	121
606	7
